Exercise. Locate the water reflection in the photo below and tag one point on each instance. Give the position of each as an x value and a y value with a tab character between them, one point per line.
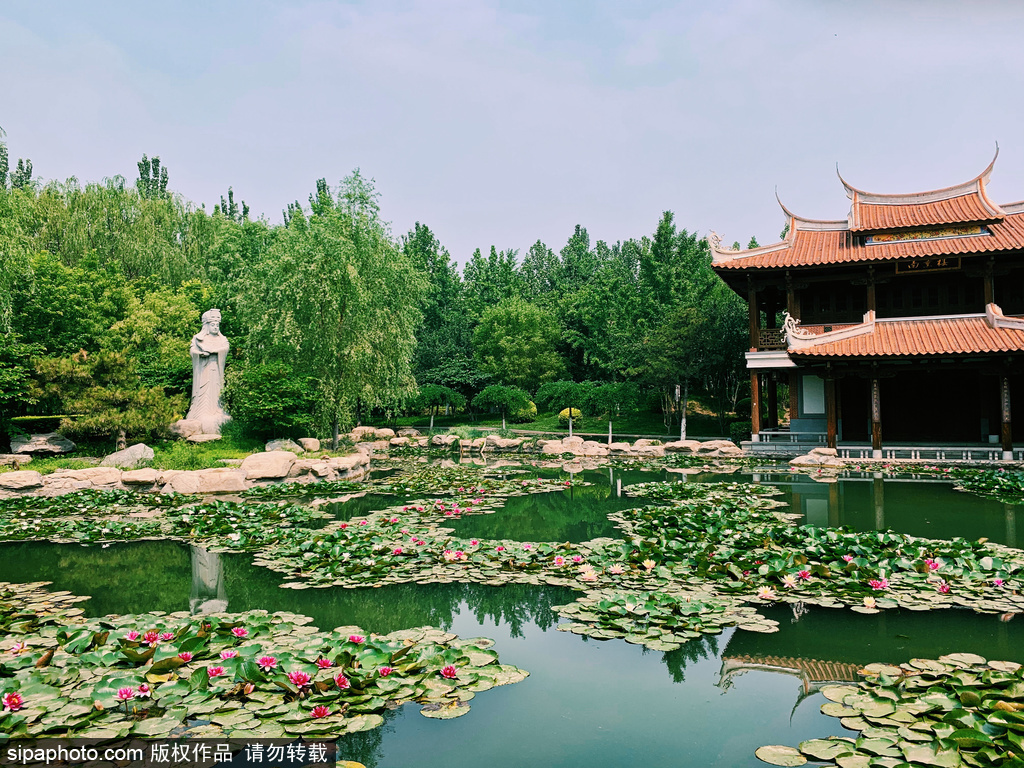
209	594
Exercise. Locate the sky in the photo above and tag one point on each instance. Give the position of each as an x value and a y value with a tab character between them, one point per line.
501	122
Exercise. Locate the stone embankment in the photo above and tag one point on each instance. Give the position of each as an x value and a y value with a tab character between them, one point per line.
369	440
818	457
256	469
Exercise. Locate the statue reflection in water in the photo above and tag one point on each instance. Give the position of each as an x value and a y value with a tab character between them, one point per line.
208	592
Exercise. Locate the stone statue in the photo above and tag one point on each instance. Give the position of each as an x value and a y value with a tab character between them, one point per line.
209	353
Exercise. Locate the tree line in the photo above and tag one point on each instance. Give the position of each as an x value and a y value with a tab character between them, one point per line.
331	316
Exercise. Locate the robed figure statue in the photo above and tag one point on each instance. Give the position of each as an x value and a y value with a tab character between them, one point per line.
209	353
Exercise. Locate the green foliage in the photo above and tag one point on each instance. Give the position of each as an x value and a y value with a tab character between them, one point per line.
435	396
271	400
515	343
564	414
15	379
523	415
502	399
740	431
337	299
558	394
152	181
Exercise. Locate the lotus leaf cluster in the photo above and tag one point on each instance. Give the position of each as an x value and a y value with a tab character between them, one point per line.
959	710
254	674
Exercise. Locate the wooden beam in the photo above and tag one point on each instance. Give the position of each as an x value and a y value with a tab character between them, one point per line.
876	419
1007	431
830	412
794	396
755	404
772	419
989	283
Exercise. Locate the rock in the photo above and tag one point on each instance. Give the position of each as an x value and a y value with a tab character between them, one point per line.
207	481
345	463
466	445
17	481
271	464
497	443
399	442
823	452
187	427
554	448
571	442
284	445
408	432
730	450
310	444
682	446
444	441
140	477
645	443
370	447
362	433
423	442
91	475
204	437
130	457
709	446
620	449
318	467
51	442
14	459
649	450
384	434
594	448
816	460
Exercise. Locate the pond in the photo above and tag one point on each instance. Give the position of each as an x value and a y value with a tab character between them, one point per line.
712	702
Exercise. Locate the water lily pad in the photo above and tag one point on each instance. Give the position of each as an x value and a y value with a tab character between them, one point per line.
826	749
444	711
780	755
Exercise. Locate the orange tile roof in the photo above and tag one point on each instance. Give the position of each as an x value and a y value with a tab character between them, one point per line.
931	336
838	245
870	216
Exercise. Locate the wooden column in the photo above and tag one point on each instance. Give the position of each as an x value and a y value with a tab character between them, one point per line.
755	405
830	412
790	296
754	314
876	419
772	418
879	488
1007	431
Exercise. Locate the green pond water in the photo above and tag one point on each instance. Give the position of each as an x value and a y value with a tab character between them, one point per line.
586	702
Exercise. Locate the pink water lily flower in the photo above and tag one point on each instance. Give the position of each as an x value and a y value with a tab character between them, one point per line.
323	663
125	694
882	583
299	678
500	548
848	558
396	551
214	671
240	632
185	656
229	654
932	565
266	663
341	681
144	691
132	636
363	522
616	569
165	636
12	701
943	588
356	639
766	593
527	546
450	672
385	671
997	582
805	575
789	581
320	711
559	561
18	648
248	689
473	542
151	637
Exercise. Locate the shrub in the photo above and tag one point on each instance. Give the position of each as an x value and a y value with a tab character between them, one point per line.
740	431
563	415
270	400
524	415
743	407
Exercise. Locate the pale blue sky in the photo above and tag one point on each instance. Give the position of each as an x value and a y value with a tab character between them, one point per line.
504	122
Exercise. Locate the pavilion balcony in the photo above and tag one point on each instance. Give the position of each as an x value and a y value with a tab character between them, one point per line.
771	339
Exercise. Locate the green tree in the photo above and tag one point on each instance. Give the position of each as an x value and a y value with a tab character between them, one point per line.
338	300
753	243
152	181
486	282
15	380
564	394
515	343
501	398
613	399
22	176
434	397
271	400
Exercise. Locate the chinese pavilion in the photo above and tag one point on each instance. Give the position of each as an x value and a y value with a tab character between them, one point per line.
900	325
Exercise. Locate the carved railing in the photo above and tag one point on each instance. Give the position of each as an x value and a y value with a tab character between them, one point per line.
771	338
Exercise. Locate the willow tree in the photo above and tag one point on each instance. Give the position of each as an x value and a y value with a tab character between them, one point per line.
337	299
